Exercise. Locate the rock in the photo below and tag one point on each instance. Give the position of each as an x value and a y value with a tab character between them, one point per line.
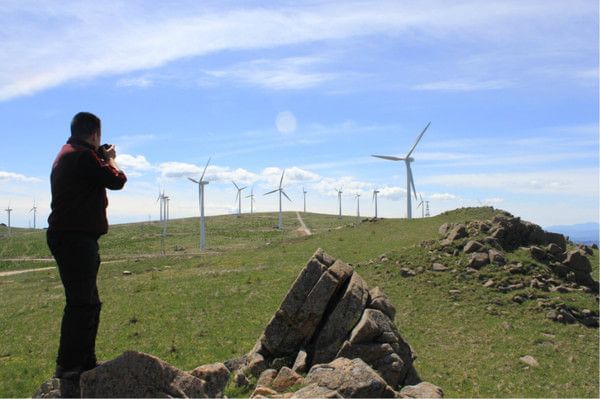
406	272
342	319
285	379
300	364
445	242
215	376
127	273
453	292
457	232
235	364
575	260
529	360
489	283
315	391
444	229
478	259
350	378
555	238
473	246
153	378
422	390
383	258
438	267
538	253
586	249
57	388
240	380
266	378
496	257
519	299
381	302
280	362
256	363
262	391
554	249
491	241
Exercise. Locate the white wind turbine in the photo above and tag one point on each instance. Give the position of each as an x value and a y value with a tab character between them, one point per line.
8	211
238	196
280	189
421	202
201	183
251	196
375	192
304	195
339	191
34	210
357	205
409	178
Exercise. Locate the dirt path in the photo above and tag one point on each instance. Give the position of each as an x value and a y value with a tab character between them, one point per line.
304	229
41	269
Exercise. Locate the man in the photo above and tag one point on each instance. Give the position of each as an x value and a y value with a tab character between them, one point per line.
81	173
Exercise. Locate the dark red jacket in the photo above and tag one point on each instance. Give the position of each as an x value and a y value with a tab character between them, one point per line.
79	180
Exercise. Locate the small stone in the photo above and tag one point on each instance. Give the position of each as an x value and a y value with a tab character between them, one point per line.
421	390
489	283
127	273
438	267
285	379
519	299
241	381
454	292
530	361
506	325
406	272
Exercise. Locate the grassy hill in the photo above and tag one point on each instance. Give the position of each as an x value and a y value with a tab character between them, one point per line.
193	308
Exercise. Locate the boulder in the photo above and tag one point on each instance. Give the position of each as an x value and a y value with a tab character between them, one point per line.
263	392
350	378
575	260
266	378
496	257
315	391
342	319
538	253
439	267
555	238
300	364
457	232
422	390
215	376
136	374
478	260
445	229
381	302
473	246
285	379
554	249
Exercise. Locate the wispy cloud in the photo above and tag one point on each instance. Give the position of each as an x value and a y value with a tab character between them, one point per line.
17	177
463	85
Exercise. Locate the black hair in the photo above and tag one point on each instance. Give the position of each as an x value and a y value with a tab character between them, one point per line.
84	124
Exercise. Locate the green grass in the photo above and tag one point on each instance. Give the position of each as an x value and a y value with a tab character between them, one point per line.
191	309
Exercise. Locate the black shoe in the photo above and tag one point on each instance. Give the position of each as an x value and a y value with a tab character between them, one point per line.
68	374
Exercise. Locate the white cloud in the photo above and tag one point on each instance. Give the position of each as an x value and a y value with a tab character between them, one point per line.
442	197
174	170
16	177
393	193
137	163
463	85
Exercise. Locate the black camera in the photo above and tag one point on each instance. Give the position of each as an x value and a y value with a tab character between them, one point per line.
102	148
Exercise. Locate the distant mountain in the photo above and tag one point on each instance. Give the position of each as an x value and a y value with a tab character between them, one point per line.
585	233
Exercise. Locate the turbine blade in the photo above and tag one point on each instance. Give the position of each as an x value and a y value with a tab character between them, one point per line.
418	139
281	180
243	188
271	192
236	186
286	196
195	181
388	157
204	171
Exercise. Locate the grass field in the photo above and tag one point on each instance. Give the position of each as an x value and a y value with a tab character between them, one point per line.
192	308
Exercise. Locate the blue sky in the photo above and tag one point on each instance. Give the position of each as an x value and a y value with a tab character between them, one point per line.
510	88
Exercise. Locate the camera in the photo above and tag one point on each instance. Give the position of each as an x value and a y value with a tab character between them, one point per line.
101	150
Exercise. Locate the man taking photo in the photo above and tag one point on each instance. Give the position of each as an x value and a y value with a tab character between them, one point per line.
81	173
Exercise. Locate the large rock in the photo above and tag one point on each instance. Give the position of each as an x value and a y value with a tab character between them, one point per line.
496	257
577	261
445	229
350	378
342	319
422	390
555	238
473	246
381	302
315	391
457	232
215	377
478	260
285	379
138	375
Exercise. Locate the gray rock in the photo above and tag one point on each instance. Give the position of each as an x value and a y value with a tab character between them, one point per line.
240	380
438	267
538	253
554	249
381	302
575	260
215	377
457	232
489	283
555	238
422	390
407	272
300	364
57	388
478	259
136	374
445	229
473	246
285	379
266	378
496	257
342	319
315	391
350	378
529	360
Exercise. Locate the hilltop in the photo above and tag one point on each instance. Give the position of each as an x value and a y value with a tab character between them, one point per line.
190	308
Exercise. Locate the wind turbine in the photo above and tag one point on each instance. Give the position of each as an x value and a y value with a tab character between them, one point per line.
427	209
304	195
339	201
357	205
239	196
421	205
8	211
201	183
34	209
375	192
280	189
409	178
251	196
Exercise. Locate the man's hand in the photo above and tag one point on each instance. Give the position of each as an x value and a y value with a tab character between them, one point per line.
108	151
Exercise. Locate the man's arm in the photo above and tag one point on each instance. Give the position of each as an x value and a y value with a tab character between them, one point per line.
106	172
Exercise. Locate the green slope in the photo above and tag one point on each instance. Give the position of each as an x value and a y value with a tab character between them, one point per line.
190	308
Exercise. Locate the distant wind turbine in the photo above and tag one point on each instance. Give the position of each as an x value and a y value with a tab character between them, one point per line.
201	183
357	205
375	192
280	189
427	209
34	210
8	211
421	206
339	191
238	196
304	195
251	196
409	178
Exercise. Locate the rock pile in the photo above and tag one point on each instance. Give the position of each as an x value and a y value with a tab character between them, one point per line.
564	268
331	337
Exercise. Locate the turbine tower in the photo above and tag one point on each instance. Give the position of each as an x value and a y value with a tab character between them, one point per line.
251	196
280	189
357	205
8	211
409	178
427	209
375	192
421	205
201	183
339	201
238	196
34	210
304	195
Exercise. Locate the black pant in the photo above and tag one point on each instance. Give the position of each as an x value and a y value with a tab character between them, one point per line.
78	261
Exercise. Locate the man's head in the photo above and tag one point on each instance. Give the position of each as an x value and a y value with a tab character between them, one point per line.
86	126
